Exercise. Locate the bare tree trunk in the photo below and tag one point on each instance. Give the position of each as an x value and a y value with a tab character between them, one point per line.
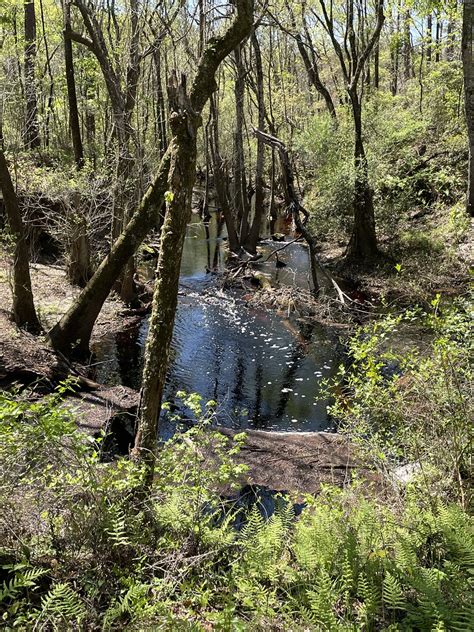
160	105
221	181
439	35
32	137
254	233
241	202
295	207
74	123
79	266
363	242
377	66
429	38
395	56
24	312
185	122
308	55
468	69
407	52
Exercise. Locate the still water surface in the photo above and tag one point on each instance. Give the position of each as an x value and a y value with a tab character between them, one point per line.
263	370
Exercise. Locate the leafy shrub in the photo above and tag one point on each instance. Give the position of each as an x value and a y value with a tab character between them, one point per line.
83	549
415	406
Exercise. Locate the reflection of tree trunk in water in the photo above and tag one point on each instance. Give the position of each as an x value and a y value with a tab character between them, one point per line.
258	394
208	246
298	354
217	250
239	377
217	369
288	382
129	357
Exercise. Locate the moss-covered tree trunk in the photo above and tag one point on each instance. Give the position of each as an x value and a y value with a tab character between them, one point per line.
185	121
73	332
468	68
24	312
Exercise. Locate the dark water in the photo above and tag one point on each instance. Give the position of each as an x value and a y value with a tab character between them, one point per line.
263	371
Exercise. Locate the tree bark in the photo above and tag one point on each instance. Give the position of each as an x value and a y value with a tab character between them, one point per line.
308	55
79	265
32	136
185	122
74	123
468	70
362	246
221	181
295	207
24	313
429	37
254	233
241	203
363	242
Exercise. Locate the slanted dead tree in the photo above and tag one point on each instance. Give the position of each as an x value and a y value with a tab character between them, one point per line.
297	210
23	312
185	121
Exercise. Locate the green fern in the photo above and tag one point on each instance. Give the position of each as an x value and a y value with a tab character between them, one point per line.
62	602
23	579
392	592
117	528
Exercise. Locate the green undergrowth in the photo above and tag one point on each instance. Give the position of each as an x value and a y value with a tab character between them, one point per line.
83	549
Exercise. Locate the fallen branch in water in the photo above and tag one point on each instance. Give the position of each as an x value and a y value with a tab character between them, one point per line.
277	250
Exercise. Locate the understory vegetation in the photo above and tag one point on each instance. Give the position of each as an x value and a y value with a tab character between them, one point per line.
84	548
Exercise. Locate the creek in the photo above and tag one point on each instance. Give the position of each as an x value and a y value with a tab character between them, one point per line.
263	369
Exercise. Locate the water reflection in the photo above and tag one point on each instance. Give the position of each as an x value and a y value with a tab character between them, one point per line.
262	371
259	372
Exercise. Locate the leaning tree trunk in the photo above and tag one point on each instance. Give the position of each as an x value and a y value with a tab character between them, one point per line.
468	68
32	137
24	312
363	242
73	332
185	121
